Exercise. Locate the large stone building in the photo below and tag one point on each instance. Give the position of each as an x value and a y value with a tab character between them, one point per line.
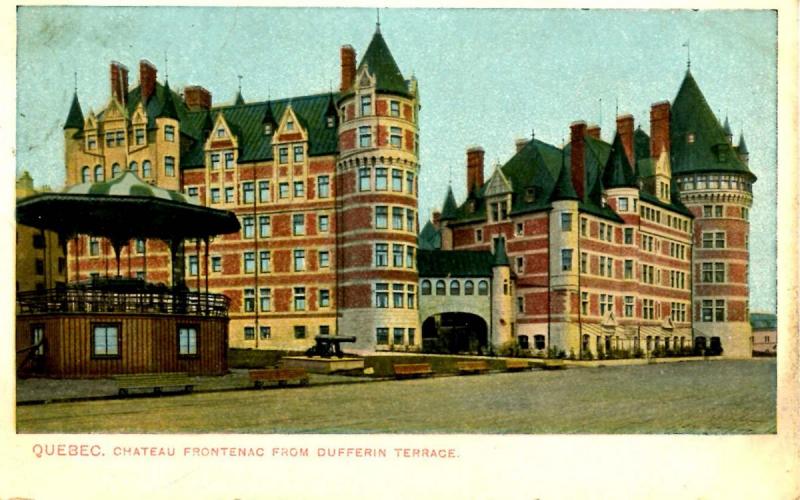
640	243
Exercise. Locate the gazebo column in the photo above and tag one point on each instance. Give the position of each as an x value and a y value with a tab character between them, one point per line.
178	264
197	255
77	246
117	246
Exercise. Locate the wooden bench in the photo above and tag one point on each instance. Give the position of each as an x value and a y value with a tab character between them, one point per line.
412	370
155	381
280	375
472	367
517	365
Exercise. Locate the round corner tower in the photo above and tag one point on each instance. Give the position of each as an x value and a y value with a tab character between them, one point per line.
377	193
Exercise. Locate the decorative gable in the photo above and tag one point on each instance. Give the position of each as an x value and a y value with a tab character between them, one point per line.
114	112
364	78
289	128
91	121
609	320
139	115
498	184
221	136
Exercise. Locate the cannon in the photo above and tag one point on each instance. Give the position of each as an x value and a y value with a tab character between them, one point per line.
329	345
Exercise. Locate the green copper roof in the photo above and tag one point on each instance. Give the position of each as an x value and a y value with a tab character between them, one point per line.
698	142
128	184
75	116
239	100
168	109
641	144
380	63
454	263
742	147
564	189
618	172
500	256
763	321
449	208
727	128
429	238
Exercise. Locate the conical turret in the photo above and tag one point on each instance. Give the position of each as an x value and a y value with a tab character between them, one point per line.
75	115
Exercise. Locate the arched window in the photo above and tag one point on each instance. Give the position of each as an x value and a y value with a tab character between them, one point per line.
440	289
115	170
469	287
483	287
426	287
146	168
85	174
134	167
99	175
455	287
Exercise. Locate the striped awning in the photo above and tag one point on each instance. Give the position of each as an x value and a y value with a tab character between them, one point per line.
128	184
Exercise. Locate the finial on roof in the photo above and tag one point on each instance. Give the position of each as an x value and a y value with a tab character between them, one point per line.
688	55
76	82
616	106
378	23
166	66
240	83
533	133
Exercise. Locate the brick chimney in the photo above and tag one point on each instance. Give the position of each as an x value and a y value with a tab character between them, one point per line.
119	82
659	128
593	131
578	143
348	57
519	144
436	219
625	131
474	168
147	79
197	97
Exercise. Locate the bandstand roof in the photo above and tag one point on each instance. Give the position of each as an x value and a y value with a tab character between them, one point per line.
122	209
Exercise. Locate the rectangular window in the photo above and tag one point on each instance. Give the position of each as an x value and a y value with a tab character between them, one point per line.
584	226
566	221
265	299
216	263
323	224
707	311
381	254
397	219
324	298
192	192
214	161
299	298
410	257
299	331
381	295
94	246
719	240
382	336
139	136
264	226
364	137
398	334
479	235
566	259
410	220
187	341
263	191
298	225
249	300
397	180
584	262
520	264
298	154
264	258
648	309
708	240
606	304
398	291
610	267
283	190
628	269
120	137
283	155
411	339
299	260
248	192
395	137
324	258
628	235
707	210
265	332
169	166
381	217
228	160
109	139
394	108
249	333
323	186
37	334
105	341
397	255
602	233
584	302
628	311
363	179
623	204
249	262
299	189
228	195
366	105
409	182
602	268
719	310
718	211
248	226
381	179
169	133
410	297
193	265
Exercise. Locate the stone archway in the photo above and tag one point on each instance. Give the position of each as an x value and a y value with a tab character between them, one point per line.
454	333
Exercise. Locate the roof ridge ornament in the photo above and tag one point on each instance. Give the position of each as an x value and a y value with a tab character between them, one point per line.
687	44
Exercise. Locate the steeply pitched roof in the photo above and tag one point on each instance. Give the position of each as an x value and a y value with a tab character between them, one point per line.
741	148
239	100
564	189
168	109
380	63
454	263
429	238
500	255
618	172
727	128
449	208
75	115
710	150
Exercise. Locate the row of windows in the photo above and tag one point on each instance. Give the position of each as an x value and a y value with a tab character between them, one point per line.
714	181
265	331
398	213
713	239
116	170
718	211
382	255
677	250
651	342
673	221
455	287
400	336
650	309
264	299
381	180
265	225
248	191
265	259
399	292
106	339
365	108
116	138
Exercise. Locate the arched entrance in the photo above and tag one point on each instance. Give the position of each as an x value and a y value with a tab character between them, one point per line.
455	333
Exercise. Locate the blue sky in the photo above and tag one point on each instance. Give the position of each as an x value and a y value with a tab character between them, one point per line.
486	77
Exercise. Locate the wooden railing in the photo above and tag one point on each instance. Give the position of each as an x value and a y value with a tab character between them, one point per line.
149	300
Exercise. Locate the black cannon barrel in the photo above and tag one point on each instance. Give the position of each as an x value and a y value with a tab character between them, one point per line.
335	338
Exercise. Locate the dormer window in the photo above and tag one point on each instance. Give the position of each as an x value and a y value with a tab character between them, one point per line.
138	135
530	195
690	138
268	129
289	125
221	132
91	142
330	121
366	105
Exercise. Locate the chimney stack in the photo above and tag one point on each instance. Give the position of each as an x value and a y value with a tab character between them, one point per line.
474	169
593	131
197	97
625	131
521	143
119	82
577	141
147	79
348	57
659	128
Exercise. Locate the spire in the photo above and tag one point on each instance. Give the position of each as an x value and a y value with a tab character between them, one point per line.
75	115
378	23
449	208
742	147
500	256
239	99
380	63
331	110
563	189
269	117
168	109
208	123
617	171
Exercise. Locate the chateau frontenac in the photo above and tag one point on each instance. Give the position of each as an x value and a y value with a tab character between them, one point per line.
639	242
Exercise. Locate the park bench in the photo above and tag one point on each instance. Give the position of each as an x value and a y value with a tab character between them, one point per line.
472	367
516	365
155	381
412	370
280	375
